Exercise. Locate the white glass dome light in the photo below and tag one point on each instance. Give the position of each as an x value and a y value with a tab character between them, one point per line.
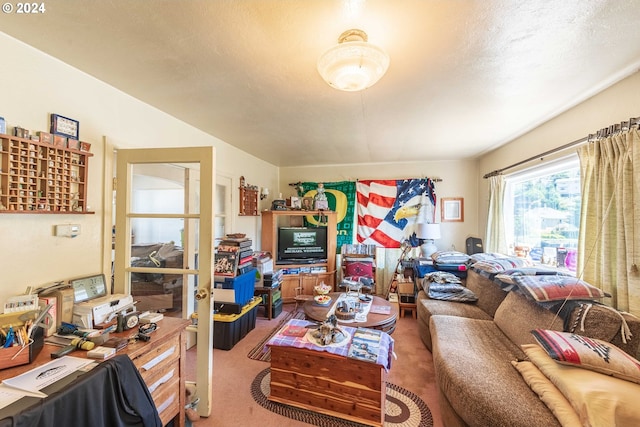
353	64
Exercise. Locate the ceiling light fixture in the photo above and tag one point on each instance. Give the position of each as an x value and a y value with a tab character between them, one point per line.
353	64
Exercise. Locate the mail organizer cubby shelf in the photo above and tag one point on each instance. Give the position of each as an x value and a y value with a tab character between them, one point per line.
37	177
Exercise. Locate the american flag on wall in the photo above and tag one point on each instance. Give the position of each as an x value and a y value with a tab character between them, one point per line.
388	210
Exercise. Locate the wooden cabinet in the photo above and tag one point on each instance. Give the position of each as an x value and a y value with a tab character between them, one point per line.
248	201
37	177
160	361
272	220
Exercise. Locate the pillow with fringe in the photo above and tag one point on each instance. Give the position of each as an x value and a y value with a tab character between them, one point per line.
588	353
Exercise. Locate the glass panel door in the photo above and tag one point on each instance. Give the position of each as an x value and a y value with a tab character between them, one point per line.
164	240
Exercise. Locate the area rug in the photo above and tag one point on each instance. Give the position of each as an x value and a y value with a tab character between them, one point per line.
259	352
402	409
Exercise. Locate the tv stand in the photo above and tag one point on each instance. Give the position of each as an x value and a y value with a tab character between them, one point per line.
272	220
301	261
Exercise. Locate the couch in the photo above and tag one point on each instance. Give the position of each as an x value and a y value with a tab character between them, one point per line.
474	344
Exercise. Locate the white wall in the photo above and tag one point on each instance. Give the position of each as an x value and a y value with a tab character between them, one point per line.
34	85
458	180
613	105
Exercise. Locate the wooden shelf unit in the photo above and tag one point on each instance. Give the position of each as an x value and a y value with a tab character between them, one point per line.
37	177
272	220
248	202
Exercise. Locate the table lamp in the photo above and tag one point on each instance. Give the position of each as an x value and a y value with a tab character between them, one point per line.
428	233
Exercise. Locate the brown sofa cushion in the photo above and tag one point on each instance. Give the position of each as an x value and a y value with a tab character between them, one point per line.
489	293
517	316
473	368
427	307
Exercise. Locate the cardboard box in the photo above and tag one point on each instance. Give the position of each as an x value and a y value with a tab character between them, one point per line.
59	141
64	304
405	288
45	137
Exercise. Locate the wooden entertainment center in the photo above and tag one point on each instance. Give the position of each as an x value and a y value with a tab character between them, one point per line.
272	220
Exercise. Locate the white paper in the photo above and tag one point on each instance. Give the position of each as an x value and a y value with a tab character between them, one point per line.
38	378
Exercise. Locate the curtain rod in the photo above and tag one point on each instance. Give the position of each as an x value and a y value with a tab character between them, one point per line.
434	179
602	133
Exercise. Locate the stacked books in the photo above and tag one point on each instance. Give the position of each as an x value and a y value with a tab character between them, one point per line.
233	257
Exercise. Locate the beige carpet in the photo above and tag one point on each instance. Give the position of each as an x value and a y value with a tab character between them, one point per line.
233	373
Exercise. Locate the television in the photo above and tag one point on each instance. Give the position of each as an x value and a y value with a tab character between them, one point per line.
302	244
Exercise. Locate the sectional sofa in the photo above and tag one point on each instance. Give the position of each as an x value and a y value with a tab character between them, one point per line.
475	345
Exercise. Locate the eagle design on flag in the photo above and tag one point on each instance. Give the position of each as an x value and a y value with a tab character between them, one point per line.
389	210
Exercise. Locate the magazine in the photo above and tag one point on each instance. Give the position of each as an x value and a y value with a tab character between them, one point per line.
380	309
365	344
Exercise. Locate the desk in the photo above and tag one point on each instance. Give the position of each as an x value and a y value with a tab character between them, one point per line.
267	290
160	361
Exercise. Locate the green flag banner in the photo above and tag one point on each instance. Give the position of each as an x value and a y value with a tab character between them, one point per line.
342	200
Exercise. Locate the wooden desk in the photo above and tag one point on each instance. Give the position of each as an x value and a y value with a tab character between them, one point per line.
383	322
160	361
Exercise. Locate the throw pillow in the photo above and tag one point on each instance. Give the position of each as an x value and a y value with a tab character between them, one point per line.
485	256
553	288
548	393
450	257
589	353
498	265
599	400
359	267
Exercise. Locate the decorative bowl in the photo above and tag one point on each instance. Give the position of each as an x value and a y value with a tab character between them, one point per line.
322	299
322	289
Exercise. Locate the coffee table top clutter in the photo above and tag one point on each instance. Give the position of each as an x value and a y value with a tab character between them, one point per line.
377	313
298	333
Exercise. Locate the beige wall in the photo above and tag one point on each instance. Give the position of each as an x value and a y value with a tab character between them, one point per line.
613	105
458	180
35	85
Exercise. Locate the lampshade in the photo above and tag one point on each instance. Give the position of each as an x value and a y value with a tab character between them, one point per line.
353	64
428	231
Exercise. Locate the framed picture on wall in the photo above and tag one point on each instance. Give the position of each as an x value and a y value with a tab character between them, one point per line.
452	209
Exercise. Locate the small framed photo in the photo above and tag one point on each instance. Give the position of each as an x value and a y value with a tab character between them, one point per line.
452	209
296	203
65	126
307	203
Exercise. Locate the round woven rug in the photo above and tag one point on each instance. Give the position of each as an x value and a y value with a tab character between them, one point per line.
402	409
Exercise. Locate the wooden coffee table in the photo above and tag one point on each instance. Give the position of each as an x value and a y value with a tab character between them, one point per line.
383	322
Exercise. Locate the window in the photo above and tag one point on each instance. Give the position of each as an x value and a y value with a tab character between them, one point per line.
542	209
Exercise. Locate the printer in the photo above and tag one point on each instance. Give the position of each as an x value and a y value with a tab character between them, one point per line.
104	309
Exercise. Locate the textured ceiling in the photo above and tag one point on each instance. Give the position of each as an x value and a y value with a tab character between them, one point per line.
465	76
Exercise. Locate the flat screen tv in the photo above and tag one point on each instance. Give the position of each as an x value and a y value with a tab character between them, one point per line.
302	244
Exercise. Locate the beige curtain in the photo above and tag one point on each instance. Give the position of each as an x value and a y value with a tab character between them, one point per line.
496	240
608	245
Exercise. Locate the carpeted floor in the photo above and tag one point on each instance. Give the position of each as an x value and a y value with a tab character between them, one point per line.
233	372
